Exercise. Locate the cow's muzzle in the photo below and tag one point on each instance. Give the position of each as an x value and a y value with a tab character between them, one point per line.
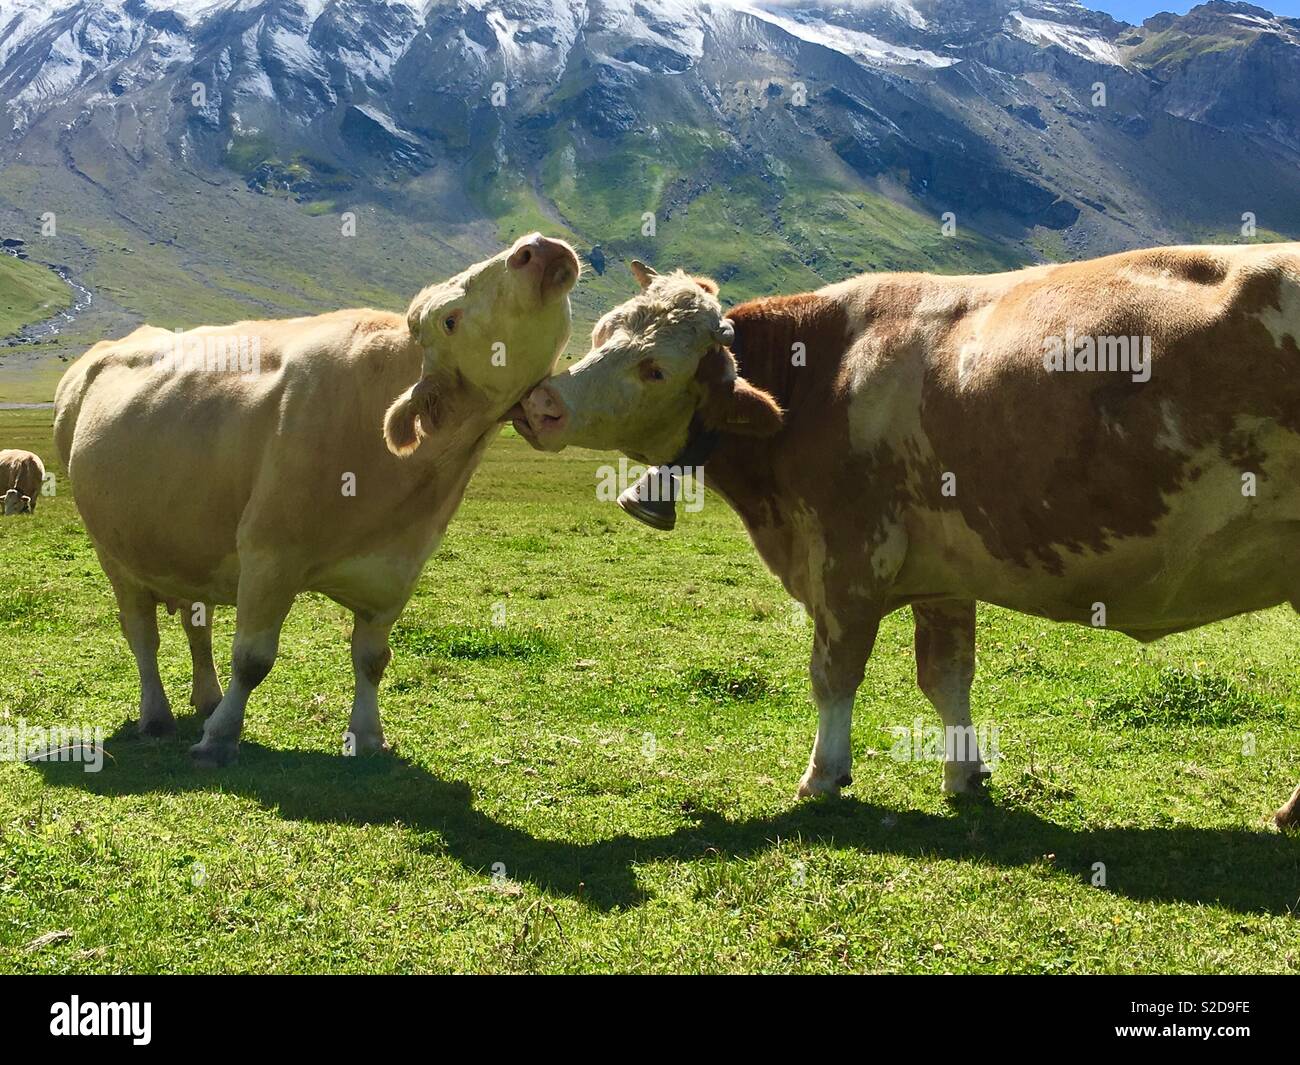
543	418
552	263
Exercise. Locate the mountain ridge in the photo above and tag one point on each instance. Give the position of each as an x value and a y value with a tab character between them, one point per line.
201	158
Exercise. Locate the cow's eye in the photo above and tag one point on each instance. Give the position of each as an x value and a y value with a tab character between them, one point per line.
651	371
449	323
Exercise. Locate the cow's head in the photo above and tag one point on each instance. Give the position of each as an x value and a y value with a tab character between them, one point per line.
656	362
498	328
16	502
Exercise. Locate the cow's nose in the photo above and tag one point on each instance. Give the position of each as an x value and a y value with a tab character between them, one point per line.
526	251
545	410
552	261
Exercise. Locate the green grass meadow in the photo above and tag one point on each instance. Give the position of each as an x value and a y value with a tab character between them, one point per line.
597	734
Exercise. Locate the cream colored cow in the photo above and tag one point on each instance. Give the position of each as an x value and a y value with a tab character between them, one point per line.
247	463
21	476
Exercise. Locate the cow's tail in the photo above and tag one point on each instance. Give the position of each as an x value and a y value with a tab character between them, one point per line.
67	405
68	398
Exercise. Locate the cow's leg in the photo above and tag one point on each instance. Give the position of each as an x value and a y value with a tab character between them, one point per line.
840	651
1289	815
261	608
370	657
205	689
137	611
945	667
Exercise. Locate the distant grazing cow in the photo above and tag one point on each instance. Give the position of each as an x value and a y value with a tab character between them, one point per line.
247	463
21	477
1110	442
16	504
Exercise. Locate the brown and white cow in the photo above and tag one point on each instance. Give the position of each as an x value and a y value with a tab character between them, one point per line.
22	474
247	463
908	439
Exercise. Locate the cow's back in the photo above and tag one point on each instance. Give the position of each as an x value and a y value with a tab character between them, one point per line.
1168	488
167	459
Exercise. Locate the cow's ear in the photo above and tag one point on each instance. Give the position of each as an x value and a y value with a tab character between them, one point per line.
731	404
412	417
644	274
707	283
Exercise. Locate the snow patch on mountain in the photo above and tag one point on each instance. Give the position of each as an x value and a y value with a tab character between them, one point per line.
530	35
901	10
1073	39
853	43
647	34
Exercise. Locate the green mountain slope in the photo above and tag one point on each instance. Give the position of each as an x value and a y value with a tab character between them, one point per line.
28	293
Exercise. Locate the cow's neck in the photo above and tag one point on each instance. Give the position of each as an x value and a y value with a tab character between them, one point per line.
457	437
465	422
792	347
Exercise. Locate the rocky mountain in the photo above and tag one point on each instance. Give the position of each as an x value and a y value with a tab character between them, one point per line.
203	157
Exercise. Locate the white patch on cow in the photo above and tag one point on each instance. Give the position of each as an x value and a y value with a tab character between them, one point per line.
810	584
832	754
1283	322
967	363
886	389
1162	278
888	548
1111	426
1170	436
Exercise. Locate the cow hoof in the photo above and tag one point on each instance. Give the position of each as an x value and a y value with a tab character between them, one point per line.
963	779
213	754
817	784
158	726
368	744
203	707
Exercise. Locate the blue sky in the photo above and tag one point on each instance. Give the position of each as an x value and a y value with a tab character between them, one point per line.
1136	10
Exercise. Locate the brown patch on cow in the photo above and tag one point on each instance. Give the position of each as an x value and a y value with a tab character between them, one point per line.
1198	267
767	331
1111	464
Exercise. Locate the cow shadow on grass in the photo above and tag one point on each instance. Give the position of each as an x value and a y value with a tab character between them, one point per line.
1247	871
